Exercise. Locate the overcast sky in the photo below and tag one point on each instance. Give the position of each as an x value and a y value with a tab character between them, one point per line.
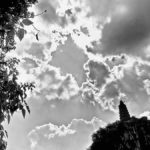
90	54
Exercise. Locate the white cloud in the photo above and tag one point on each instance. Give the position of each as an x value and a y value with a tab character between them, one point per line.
51	84
147	86
126	77
145	114
76	135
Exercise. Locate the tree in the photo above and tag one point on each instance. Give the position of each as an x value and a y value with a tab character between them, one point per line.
132	133
123	111
14	15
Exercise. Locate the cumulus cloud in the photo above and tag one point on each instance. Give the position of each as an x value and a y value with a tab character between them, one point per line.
134	84
68	88
98	45
104	79
147	86
51	84
76	135
123	77
101	86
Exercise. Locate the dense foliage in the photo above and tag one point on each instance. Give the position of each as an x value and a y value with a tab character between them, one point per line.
123	112
13	10
14	15
133	134
129	133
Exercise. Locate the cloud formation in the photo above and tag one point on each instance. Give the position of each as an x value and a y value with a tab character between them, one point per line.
120	77
129	28
145	114
50	16
52	85
76	135
97	73
70	59
96	49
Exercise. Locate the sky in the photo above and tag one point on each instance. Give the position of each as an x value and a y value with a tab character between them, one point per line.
90	55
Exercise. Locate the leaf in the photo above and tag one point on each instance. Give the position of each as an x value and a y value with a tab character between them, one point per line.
32	15
27	22
27	107
21	24
37	37
6	133
23	112
8	118
21	33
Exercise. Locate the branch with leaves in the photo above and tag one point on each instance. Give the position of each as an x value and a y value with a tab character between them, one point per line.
14	16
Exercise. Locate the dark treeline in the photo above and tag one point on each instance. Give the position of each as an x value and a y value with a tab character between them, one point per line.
14	15
129	133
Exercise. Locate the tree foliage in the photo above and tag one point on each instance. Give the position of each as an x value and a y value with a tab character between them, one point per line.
14	15
129	133
123	111
133	134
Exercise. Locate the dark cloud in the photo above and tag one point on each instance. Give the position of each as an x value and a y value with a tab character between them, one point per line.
111	91
128	31
70	59
97	72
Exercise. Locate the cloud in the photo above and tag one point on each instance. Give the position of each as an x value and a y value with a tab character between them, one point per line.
96	72
70	59
100	8
134	84
73	17
28	63
76	135
68	88
147	86
129	28
37	50
100	87
146	114
120	77
50	16
51	84
49	81
60	12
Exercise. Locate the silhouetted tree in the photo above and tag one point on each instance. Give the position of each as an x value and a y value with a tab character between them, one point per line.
130	134
123	111
14	15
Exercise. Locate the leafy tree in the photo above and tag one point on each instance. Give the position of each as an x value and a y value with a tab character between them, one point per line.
130	134
14	15
123	111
